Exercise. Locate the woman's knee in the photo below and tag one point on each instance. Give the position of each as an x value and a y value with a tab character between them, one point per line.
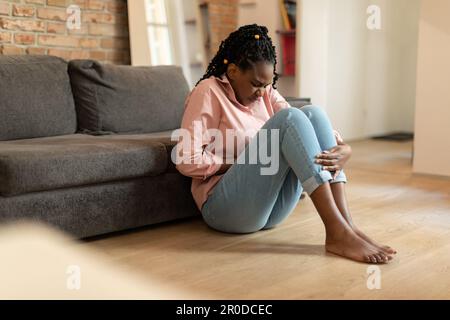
313	112
291	115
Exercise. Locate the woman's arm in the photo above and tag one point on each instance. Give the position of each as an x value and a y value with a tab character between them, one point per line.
202	113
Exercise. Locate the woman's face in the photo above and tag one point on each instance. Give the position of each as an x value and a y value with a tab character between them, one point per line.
250	85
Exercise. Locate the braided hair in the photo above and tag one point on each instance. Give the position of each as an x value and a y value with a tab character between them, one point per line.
247	45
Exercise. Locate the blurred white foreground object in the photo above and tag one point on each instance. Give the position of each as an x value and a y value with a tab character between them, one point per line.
38	262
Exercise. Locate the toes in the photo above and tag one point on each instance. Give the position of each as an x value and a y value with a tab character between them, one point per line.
379	258
384	257
387	257
389	250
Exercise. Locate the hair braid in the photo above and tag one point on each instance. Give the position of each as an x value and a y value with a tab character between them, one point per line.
242	48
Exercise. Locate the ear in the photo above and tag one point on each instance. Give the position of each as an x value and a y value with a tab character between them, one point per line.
232	71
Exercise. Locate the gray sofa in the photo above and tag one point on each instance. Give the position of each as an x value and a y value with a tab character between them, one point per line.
86	147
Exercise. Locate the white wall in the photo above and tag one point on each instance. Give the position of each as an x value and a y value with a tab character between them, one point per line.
139	38
312	46
193	42
432	122
139	41
365	79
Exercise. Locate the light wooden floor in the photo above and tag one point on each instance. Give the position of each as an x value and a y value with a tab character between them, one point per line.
409	212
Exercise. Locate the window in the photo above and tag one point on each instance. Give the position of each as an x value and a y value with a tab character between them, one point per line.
158	32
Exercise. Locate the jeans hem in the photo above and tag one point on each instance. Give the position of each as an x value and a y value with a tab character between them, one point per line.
340	178
316	181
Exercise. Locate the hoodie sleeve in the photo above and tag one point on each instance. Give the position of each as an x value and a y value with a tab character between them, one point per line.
201	115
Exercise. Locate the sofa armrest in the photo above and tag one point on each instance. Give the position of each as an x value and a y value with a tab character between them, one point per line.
297	102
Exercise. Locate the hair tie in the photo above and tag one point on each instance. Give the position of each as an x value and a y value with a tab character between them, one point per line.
225	61
257	36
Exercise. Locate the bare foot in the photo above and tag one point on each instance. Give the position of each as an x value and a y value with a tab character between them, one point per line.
386	249
349	245
362	235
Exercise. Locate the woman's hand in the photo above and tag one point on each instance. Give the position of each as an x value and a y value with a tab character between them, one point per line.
335	158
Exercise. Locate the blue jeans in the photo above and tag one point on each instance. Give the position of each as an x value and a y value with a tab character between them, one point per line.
245	201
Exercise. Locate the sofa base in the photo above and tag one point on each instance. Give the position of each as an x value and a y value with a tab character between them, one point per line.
108	207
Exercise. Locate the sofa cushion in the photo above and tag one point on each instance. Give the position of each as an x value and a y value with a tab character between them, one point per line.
56	162
35	97
127	99
163	137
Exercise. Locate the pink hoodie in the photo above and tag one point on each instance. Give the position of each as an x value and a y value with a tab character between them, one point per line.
213	103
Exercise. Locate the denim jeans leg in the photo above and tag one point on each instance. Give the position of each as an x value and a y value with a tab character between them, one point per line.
324	132
243	201
287	200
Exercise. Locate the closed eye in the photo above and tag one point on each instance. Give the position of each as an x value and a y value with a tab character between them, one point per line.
259	85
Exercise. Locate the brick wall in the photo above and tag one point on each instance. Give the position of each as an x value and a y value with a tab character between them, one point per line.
223	19
39	27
